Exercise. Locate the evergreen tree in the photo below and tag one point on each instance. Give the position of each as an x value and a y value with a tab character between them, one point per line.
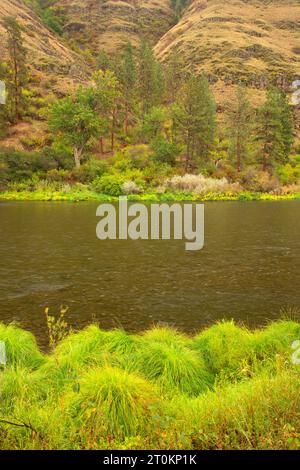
107	96
4	118
240	126
128	76
274	129
288	126
150	77
103	61
174	73
194	117
17	67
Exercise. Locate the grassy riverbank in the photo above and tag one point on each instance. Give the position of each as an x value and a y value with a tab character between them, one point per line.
225	388
87	195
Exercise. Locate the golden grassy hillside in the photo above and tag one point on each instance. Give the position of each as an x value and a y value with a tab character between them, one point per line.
253	40
50	61
100	24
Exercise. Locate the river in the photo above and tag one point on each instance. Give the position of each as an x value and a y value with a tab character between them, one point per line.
50	256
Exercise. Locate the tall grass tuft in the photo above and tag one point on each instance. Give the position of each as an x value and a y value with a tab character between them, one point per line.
225	347
88	348
112	402
166	335
172	366
277	338
21	347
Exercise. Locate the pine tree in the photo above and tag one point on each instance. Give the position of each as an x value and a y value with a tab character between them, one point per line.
240	126
107	95
174	73
4	118
150	77
194	117
103	61
288	126
17	67
128	76
274	129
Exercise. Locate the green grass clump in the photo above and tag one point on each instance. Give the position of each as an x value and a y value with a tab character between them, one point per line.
171	366
21	347
92	342
165	335
90	347
225	347
112	402
277	338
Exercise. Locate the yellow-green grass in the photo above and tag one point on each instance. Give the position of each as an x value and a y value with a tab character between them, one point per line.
88	195
226	387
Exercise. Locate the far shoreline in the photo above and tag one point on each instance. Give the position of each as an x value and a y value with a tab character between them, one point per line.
86	195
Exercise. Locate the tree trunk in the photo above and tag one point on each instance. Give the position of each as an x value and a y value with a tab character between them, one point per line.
102	145
16	86
265	158
77	157
126	119
112	141
238	155
113	130
188	152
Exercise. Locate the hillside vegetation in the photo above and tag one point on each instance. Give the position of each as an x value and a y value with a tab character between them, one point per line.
51	61
98	25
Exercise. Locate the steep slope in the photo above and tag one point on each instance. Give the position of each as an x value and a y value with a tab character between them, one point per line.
101	24
254	40
48	58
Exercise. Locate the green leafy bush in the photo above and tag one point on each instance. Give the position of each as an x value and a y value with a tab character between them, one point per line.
289	173
164	151
113	184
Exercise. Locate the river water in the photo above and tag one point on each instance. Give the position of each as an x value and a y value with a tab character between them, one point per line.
50	256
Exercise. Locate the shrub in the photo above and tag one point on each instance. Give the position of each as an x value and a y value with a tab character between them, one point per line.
90	170
113	184
289	174
130	187
259	181
133	157
164	151
109	184
201	185
21	164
